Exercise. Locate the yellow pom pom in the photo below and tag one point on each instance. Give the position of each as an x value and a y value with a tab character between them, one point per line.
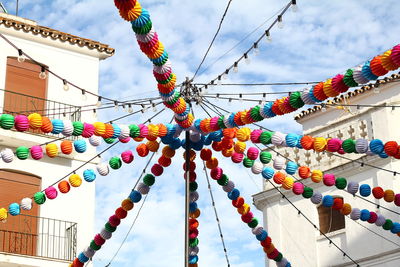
243	134
227	152
153	132
51	150
168	152
244	209
328	89
387	62
75	180
288	183
3	214
99	128
153	146
316	176
320	144
240	147
127	204
35	121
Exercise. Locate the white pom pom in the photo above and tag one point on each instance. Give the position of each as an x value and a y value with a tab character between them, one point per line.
103	169
278	138
7	155
143	188
26	203
279	163
257	230
229	187
193	196
68	128
195	137
95	140
105	234
124	131
89	252
193	251
257	167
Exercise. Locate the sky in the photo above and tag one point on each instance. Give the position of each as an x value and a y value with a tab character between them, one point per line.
320	40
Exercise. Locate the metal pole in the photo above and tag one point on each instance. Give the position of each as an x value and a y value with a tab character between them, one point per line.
16	13
187	191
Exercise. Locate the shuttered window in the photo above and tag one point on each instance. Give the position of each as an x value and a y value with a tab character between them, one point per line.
330	220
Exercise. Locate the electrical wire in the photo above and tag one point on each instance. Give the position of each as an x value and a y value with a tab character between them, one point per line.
216	216
213	40
261	84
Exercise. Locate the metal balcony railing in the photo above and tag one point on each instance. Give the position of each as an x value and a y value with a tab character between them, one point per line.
38	237
15	103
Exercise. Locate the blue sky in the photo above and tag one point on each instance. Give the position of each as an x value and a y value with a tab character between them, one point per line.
321	40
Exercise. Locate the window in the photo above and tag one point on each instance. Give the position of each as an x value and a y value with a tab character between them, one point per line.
330	220
25	92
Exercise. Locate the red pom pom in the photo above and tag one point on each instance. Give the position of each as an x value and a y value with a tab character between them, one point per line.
237	203
157	170
217	146
192	166
373	217
266	242
121	213
337	204
378	192
205	154
391	148
164	161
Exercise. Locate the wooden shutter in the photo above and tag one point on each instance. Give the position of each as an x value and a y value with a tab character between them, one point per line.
19	234
326	215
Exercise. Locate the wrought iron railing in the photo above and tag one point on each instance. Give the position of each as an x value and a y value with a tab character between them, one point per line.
38	237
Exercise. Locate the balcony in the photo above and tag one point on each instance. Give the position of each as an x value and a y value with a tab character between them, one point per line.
38	237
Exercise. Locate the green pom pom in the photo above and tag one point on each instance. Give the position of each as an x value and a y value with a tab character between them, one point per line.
193	186
388	224
6	121
223	181
173	100
109	227
109	140
163	61
349	146
308	192
253	223
94	246
279	257
143	30
78	128
221	122
265	157
134	130
248	163
22	152
341	183
149	179
193	242
167	80
265	137
348	79
295	100
255	114
39	198
115	163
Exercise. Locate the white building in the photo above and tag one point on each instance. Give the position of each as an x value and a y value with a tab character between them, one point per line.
298	240
52	234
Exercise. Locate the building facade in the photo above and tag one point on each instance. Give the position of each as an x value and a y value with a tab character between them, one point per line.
301	243
52	234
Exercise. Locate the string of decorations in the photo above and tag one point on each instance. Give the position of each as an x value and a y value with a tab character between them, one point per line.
243	208
151	46
255	47
216	215
114	221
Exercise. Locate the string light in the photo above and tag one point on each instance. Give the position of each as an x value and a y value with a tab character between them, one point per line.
268	35
241	98
21	57
280	22
225	75
84	96
94	113
294	7
323	107
256	49
98	104
205	89
130	109
235	67
376	89
263	100
66	86
116	105
246	59
42	74
154	107
230	101
219	82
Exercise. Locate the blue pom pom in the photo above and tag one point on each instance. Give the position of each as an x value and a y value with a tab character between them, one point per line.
193	259
135	196
89	175
367	73
262	236
80	146
383	155
376	146
234	194
267	110
14	209
268	173
288	264
82	258
365	190
197	124
216	136
395	228
292	139
142	20
327	201
311	94
192	206
365	215
58	126
166	140
231	120
198	146
117	131
207	141
175	144
171	129
291	167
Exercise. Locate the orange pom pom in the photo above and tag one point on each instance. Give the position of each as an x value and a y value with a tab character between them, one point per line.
195	214
47	126
228	152
127	204
64	187
307	142
109	131
279	177
66	147
304	172
346	209
153	146
192	155
388	195
217	146
168	152
142	150
227	143
212	163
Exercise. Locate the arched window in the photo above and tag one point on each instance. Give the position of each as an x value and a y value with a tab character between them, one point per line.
330	220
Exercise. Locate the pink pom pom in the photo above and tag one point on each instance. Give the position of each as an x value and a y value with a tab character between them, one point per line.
157	169
397	199
373	217
88	130
246	218
216	173
193	233
252	153
298	188
99	240
124	140
144	131
21	123
334	145
36	152
214	123
329	179
127	156
114	220
338	84
237	157
51	192
395	56
255	136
